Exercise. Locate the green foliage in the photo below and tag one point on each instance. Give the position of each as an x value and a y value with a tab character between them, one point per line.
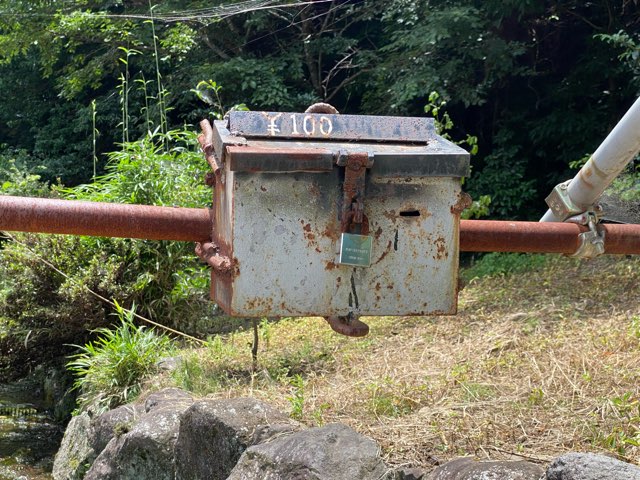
537	83
498	263
110	370
450	47
443	122
389	398
165	279
634	329
209	92
504	179
630	49
479	208
15	179
627	185
296	400
626	432
144	172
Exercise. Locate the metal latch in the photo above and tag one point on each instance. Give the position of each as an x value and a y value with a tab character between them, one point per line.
355	243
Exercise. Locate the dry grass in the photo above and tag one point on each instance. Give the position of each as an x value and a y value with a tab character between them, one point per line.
534	365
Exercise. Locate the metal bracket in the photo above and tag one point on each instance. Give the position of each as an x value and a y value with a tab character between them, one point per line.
561	204
355	168
210	253
591	242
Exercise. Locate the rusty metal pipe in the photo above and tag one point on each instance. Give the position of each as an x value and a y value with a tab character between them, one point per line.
46	215
194	224
534	237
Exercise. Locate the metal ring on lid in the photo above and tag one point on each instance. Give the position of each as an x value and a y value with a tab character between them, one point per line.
322	108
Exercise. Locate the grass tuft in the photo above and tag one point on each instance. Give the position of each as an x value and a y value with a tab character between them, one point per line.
110	370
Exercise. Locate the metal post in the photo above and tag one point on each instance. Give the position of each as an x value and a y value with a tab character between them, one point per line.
71	217
583	191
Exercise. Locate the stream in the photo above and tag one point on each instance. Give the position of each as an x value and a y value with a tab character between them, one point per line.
29	437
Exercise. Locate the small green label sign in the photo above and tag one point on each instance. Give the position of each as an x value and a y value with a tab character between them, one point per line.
355	250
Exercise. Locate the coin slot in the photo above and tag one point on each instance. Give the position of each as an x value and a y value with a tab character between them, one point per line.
410	213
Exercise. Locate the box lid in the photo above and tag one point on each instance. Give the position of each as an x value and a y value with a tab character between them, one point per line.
289	142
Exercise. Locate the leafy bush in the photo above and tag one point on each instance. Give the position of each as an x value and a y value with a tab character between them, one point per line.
165	279
16	177
110	370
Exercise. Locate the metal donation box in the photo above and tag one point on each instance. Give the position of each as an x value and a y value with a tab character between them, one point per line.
328	214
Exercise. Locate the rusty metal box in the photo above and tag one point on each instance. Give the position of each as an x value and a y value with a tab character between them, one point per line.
289	185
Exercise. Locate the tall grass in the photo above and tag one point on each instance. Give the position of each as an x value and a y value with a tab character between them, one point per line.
110	371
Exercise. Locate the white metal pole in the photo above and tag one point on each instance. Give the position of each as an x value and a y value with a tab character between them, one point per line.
615	152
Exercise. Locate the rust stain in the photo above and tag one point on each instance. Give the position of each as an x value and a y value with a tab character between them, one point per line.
464	201
351	327
314	190
331	232
353	186
585	174
385	253
441	249
391	215
259	303
331	266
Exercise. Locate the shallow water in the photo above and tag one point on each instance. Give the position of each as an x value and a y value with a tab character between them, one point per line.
29	438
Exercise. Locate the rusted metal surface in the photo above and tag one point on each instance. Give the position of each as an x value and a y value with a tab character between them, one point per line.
353	188
282	231
349	326
439	158
104	219
285	237
263	159
322	108
205	139
547	237
210	253
222	138
331	127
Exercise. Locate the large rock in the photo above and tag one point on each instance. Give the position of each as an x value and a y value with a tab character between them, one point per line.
85	438
75	453
468	468
588	466
214	433
333	452
145	450
113	423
